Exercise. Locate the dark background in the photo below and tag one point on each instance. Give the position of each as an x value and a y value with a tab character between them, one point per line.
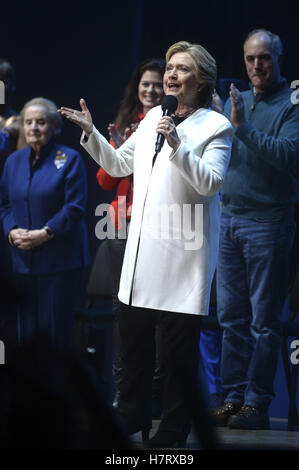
64	51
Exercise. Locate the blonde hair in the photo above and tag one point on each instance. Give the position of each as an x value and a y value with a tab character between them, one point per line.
51	108
205	66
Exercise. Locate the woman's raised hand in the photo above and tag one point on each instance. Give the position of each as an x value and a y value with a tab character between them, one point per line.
82	118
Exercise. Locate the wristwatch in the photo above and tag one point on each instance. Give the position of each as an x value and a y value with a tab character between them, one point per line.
49	231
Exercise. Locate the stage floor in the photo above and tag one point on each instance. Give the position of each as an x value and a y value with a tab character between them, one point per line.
276	438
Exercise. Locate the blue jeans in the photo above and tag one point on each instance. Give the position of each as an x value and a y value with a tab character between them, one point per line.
210	356
252	281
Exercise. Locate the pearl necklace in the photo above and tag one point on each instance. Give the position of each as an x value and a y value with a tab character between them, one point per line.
187	114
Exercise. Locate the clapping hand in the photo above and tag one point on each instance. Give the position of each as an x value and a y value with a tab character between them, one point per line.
216	103
115	135
237	113
119	138
82	118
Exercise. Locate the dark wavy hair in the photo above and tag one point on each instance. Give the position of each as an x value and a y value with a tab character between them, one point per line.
130	105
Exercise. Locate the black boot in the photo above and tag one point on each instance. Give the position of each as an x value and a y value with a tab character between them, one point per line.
166	439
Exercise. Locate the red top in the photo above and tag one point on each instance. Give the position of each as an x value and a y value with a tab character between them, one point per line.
121	206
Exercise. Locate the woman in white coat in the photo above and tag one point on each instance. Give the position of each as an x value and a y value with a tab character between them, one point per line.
172	245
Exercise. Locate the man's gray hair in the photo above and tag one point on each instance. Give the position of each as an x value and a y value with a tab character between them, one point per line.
276	43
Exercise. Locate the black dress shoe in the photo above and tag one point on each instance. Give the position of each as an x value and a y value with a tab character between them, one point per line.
249	417
166	439
221	415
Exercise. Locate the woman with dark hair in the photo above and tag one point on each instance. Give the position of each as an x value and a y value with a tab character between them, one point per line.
143	92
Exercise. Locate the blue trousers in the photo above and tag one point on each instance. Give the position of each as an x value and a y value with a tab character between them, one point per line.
46	306
252	281
210	354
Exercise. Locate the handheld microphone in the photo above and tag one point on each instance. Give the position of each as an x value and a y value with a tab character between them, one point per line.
169	104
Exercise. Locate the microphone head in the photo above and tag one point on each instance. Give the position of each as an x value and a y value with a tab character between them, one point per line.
170	103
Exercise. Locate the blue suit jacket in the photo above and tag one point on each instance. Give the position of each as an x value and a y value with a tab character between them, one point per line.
53	192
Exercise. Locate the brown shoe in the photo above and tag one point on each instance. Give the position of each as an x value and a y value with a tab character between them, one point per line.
249	417
221	415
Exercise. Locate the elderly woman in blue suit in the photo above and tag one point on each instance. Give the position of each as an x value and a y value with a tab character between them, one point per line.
42	205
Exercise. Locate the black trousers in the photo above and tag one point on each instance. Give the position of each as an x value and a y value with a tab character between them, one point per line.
179	352
116	248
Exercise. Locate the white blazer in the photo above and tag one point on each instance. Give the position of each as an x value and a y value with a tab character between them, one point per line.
172	246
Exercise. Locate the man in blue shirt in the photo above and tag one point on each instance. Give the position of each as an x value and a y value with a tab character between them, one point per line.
257	229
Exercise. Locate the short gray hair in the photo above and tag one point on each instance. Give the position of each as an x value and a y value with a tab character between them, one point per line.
275	40
51	108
